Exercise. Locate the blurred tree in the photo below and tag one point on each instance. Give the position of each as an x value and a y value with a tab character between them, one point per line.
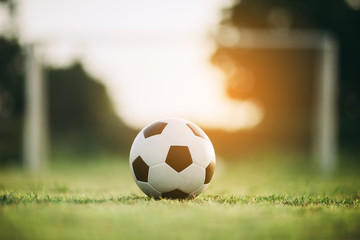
341	17
82	117
11	101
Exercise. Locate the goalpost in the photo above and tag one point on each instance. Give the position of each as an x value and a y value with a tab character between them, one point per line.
324	135
35	123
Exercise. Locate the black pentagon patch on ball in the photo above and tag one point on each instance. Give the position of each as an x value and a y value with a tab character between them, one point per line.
154	129
141	169
179	158
209	172
175	194
196	130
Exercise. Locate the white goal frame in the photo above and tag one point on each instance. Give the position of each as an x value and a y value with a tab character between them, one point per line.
324	134
325	114
35	144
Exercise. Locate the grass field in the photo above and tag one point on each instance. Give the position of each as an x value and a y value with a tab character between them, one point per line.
273	199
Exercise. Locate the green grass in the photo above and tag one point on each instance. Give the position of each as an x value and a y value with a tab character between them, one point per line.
274	199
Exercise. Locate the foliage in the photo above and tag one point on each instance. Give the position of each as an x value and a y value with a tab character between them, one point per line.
11	100
275	92
81	116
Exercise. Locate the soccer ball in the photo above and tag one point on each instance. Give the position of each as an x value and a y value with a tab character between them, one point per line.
172	158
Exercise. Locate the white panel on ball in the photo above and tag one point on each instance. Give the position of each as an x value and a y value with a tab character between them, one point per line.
163	178
148	189
137	146
201	152
177	132
191	178
154	150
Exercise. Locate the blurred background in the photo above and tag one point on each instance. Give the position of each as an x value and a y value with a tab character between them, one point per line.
81	78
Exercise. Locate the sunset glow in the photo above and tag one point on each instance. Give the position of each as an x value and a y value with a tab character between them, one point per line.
152	57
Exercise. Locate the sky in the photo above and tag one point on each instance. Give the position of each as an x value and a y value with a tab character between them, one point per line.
153	56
